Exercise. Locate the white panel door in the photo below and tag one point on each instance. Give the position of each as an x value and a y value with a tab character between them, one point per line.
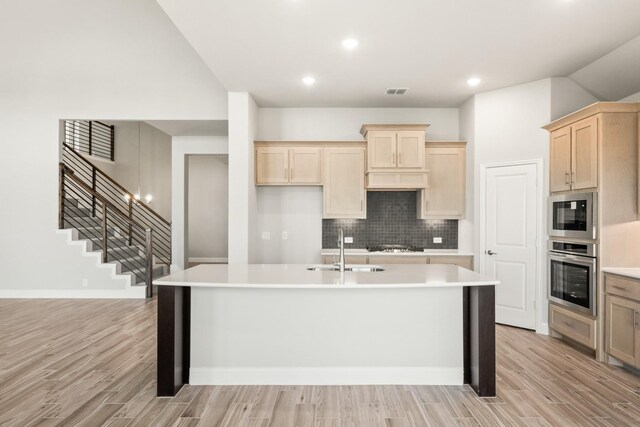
511	211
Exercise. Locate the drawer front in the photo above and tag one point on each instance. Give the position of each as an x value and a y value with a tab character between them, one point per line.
397	180
462	261
390	259
622	286
572	325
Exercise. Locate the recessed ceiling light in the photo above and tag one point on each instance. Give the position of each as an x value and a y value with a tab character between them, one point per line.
474	81
350	43
308	80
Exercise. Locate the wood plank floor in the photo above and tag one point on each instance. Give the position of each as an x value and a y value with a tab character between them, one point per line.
92	363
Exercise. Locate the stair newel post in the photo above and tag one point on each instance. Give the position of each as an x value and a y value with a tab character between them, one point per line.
93	196
130	239
149	261
61	198
90	137
105	234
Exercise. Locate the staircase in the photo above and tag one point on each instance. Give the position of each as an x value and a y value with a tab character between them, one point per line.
126	232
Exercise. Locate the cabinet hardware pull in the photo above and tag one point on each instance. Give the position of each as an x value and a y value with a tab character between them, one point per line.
622	288
573	177
566	178
636	322
286	174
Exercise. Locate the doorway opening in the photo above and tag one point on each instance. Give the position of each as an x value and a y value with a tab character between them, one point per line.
207	208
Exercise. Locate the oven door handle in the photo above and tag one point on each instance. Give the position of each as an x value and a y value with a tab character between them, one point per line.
587	261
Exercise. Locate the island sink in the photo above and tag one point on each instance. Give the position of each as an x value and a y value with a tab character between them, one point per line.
360	268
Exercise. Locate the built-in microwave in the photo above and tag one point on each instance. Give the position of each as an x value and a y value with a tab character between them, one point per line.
574	215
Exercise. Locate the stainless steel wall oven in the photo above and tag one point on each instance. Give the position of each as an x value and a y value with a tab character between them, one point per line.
573	275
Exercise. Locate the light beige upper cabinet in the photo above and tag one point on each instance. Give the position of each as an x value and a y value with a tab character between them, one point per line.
288	166
393	148
584	154
382	149
445	196
272	165
574	156
344	194
305	165
560	160
623	329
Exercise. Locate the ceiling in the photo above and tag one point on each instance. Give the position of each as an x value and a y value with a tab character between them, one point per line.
432	47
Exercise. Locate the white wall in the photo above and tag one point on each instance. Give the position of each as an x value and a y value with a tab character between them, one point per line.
631	98
208	207
468	133
119	75
181	148
142	162
299	211
325	124
296	211
243	226
567	96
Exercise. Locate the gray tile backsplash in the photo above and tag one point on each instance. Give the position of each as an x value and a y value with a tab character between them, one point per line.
391	219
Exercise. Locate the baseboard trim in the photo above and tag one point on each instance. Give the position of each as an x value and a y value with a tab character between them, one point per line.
543	329
326	376
209	259
132	293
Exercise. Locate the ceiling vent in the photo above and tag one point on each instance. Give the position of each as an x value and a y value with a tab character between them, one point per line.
397	90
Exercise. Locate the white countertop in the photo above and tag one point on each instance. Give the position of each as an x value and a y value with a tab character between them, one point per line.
297	276
427	252
623	271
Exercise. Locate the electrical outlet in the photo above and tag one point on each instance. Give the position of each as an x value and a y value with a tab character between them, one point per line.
85	283
437	240
348	239
285	235
266	235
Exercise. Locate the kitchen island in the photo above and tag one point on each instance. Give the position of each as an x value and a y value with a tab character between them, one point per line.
284	324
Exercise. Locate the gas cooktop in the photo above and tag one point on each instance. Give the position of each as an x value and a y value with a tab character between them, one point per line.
394	248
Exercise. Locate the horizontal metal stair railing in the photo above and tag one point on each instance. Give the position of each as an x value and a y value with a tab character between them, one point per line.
96	219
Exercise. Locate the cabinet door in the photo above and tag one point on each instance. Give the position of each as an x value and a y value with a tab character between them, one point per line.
272	165
344	192
584	156
306	166
410	149
560	160
382	149
623	329
445	197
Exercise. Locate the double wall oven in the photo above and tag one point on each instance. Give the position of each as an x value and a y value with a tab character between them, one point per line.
572	251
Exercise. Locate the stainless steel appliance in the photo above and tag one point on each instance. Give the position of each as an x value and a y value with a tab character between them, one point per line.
394	248
574	215
573	275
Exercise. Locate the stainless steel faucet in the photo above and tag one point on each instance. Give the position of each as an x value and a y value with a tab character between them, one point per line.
341	246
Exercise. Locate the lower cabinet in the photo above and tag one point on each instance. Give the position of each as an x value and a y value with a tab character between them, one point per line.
461	261
348	259
399	259
572	325
622	318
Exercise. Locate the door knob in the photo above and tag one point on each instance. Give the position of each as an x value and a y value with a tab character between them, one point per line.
490	252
